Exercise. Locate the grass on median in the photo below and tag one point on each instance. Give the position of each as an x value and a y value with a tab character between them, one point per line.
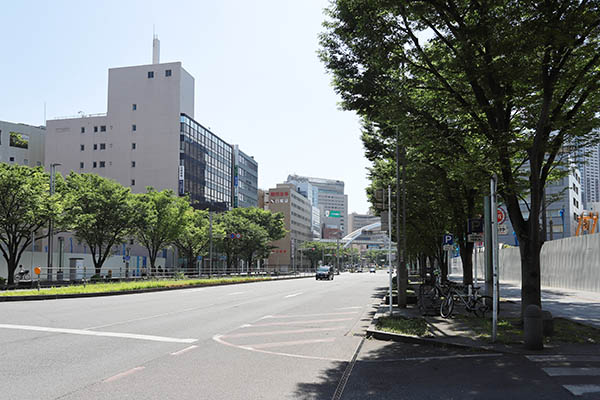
404	326
510	330
125	286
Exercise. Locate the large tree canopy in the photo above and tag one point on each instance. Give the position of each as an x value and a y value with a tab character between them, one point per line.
518	78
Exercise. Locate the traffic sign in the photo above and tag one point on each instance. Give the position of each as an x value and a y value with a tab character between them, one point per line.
475	237
448	247
126	258
501	214
475	225
502	230
448	239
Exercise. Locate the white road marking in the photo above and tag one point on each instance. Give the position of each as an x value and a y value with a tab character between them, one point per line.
314	321
123	374
219	339
560	371
231	294
433	358
270	333
348	308
290	343
192	347
311	315
565	358
98	333
293	295
578	390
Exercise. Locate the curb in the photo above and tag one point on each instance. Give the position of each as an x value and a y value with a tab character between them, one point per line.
139	291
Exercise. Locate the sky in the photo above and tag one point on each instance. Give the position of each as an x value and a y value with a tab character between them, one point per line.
258	80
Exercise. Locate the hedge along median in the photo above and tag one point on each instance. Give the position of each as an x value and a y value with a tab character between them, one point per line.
110	289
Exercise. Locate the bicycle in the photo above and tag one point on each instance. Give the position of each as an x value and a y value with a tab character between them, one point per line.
475	303
22	275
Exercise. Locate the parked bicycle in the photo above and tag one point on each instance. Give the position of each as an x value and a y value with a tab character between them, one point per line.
22	275
474	302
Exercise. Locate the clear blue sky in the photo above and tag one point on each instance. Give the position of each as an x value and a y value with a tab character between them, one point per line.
259	82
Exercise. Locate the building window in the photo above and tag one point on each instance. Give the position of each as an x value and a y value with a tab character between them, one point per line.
83	129
168	72
25	162
133	182
12	159
134	107
94	164
133	164
82	147
102	128
132	146
134	127
102	164
150	74
95	146
81	165
102	146
95	129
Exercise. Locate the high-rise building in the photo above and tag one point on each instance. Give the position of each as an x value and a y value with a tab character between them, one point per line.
357	221
22	144
589	164
148	137
331	201
245	179
296	209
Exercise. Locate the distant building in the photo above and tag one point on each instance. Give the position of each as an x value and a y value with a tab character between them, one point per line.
329	197
149	137
564	205
357	221
22	144
589	164
245	179
296	209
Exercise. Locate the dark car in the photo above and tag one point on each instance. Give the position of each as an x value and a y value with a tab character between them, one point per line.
325	273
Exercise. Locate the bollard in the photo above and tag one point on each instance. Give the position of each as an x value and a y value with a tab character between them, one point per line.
547	323
533	331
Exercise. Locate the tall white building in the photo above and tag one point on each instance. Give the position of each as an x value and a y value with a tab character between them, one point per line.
331	201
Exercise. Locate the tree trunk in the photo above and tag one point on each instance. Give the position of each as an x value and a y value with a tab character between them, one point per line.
466	255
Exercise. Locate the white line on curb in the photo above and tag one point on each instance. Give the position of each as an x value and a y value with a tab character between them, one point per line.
192	347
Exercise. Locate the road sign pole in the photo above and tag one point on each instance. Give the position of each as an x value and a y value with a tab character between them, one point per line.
494	256
390	242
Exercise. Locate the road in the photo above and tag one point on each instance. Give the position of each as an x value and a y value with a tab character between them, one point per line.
292	339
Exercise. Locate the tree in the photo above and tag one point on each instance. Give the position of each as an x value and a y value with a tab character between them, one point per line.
25	208
158	220
193	240
522	76
100	212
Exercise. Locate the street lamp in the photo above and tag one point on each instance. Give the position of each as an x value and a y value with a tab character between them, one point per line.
51	223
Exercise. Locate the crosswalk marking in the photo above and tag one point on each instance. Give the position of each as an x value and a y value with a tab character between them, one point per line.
572	371
579	390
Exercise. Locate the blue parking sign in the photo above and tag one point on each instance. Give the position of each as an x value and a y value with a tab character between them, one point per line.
448	239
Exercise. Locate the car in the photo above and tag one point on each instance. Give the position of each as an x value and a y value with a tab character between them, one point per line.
372	269
324	272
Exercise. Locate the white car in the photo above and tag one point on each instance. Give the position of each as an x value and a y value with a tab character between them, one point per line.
372	269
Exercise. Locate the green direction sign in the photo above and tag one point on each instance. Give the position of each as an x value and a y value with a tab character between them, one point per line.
333	214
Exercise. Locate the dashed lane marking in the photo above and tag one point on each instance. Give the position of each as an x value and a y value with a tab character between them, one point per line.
98	333
293	295
123	374
234	293
313	321
571	371
289	343
192	347
270	333
579	390
310	315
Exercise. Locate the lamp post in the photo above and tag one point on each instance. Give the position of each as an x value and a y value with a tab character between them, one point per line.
51	223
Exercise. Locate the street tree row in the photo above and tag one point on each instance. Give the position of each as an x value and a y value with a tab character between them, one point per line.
102	213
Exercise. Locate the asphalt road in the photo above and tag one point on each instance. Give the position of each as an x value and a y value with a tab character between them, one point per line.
294	339
250	341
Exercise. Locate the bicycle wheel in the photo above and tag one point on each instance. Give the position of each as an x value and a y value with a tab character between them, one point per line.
484	304
447	306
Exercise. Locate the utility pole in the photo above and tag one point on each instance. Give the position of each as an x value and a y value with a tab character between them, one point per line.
402	274
391	270
51	224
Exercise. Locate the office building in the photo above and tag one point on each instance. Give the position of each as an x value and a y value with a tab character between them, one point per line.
296	209
245	179
357	221
148	137
589	164
22	144
331	201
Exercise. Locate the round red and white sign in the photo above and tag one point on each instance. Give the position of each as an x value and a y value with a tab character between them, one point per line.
501	213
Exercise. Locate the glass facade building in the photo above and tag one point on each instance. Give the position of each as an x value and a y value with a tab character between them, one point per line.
205	167
245	179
